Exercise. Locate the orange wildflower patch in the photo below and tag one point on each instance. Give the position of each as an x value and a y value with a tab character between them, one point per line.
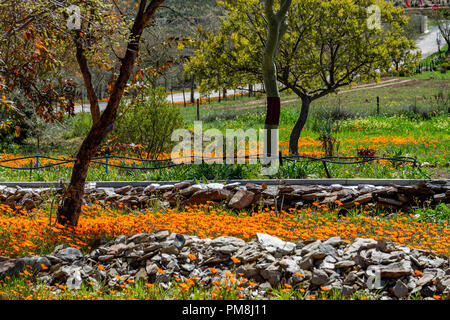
20	234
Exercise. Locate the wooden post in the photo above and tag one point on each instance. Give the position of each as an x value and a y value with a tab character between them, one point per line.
192	89
378	105
198	109
184	98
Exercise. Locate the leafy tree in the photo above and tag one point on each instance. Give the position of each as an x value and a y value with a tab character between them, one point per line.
149	121
31	62
103	37
327	45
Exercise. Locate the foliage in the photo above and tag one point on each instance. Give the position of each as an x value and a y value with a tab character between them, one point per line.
293	170
327	45
438	214
365	152
31	60
332	56
149	121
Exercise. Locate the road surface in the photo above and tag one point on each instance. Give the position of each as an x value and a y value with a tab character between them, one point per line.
427	43
177	97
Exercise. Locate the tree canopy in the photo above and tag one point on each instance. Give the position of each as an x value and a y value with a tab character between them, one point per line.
327	45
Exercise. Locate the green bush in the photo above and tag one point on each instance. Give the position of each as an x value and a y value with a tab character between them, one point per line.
445	67
82	123
149	121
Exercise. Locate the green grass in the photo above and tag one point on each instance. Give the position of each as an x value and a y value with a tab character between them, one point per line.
405	112
20	288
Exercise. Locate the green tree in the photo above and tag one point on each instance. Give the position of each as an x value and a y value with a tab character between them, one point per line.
327	45
149	121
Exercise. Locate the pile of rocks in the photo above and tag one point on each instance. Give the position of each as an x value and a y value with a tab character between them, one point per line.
249	196
27	199
363	265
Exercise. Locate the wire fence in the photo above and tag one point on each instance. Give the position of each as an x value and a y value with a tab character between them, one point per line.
37	162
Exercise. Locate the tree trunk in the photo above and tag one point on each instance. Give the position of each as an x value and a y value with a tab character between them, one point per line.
271	123
295	134
70	209
276	28
192	90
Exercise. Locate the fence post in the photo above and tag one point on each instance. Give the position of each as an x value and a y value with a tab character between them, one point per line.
37	160
326	169
198	109
378	105
280	156
106	164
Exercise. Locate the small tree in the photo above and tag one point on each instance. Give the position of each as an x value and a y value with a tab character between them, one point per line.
149	121
102	35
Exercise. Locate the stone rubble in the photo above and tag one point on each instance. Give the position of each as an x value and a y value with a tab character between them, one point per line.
249	196
268	261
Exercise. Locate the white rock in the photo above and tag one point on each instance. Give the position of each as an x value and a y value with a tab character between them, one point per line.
273	244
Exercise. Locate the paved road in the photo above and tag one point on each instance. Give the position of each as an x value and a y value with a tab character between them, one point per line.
427	44
177	97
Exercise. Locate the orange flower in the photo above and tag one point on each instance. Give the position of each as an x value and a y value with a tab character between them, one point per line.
191	256
235	260
213	270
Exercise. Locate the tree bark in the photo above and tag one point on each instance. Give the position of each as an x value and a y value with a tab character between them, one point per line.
193	90
276	28
70	209
296	131
87	78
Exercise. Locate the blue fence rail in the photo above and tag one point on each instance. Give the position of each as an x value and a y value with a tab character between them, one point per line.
157	164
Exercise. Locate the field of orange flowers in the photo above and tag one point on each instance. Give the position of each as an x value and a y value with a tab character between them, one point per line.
22	233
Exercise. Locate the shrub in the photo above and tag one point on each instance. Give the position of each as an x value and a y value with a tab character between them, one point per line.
445	67
149	121
365	152
327	127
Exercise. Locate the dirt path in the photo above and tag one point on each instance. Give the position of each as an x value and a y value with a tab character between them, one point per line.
262	101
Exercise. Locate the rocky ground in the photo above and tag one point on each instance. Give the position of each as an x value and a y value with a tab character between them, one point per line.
378	267
249	196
